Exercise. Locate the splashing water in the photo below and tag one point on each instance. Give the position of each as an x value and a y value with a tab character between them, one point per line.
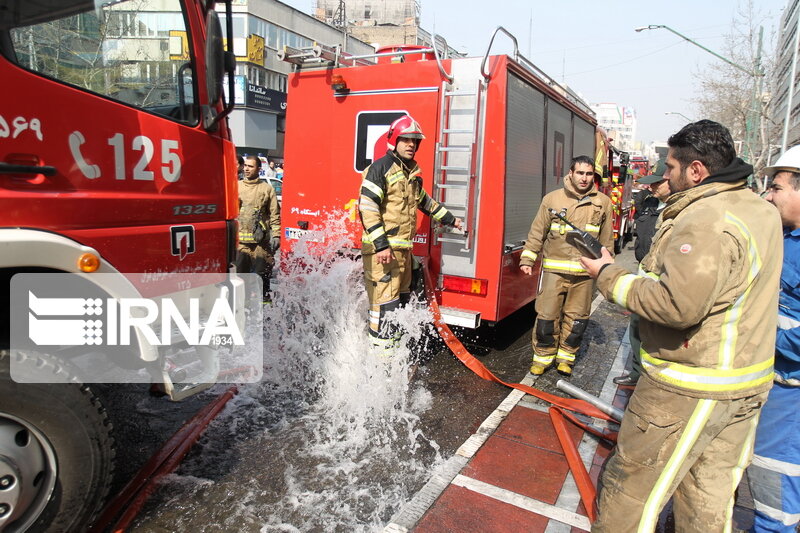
330	440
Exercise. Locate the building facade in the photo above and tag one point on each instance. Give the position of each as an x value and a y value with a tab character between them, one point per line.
261	28
381	22
783	73
620	123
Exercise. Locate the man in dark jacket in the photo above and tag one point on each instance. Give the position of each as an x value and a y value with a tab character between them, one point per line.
646	217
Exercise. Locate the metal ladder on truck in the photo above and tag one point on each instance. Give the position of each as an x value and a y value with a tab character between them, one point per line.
458	155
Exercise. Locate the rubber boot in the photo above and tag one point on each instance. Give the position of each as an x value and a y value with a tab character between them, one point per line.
538	369
564	369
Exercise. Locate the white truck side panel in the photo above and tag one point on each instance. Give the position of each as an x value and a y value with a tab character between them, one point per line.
524	159
583	138
559	145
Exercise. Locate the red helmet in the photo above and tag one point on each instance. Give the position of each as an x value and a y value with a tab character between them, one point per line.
404	126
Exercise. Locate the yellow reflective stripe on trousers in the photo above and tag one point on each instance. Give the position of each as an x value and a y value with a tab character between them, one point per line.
730	326
569	266
697	422
744	459
707	379
620	292
543	359
527	254
567	356
374	188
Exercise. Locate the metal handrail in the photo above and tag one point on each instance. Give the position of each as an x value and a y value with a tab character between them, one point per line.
485	74
448	77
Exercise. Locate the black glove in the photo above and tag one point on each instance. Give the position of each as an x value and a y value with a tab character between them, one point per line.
275	243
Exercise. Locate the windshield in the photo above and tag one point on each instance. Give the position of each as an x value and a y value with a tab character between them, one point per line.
134	51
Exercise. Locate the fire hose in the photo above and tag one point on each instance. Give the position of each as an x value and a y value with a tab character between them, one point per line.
165	460
560	409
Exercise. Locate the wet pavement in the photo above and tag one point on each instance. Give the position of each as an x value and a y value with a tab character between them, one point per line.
448	460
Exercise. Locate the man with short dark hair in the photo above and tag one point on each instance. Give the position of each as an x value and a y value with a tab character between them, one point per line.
259	225
564	301
706	294
774	474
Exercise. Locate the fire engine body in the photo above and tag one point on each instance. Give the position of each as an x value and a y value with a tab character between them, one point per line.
616	181
499	135
98	176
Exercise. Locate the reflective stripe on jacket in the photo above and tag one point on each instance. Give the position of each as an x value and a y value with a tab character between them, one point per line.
391	193
707	293
590	212
258	204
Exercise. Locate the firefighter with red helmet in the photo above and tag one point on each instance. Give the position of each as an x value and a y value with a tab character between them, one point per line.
391	193
259	224
563	303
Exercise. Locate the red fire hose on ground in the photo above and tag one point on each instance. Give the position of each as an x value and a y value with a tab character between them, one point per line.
164	461
561	408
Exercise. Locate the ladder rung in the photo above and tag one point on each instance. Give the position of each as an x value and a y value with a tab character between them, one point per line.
463	148
452	185
449	206
455	241
456	169
447	130
460	93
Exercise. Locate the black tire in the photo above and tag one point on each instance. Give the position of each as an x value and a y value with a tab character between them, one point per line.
68	421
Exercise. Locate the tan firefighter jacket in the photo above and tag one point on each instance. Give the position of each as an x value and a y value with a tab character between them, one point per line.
258	205
391	193
591	212
707	293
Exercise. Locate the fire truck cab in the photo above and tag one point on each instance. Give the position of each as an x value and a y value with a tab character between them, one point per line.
499	135
115	158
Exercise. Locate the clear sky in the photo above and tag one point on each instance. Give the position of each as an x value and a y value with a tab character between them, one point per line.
592	46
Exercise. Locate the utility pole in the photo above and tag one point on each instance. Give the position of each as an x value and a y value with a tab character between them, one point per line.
340	21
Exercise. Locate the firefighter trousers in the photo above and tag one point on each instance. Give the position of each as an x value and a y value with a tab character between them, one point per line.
671	445
774	475
636	346
388	287
562	313
255	258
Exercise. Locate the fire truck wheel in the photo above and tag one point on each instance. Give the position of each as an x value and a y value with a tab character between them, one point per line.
56	449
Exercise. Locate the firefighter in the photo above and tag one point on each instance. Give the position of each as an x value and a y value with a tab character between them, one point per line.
391	192
706	296
259	225
775	473
563	303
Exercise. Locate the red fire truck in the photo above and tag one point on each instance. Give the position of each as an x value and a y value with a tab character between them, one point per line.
500	134
115	158
616	181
